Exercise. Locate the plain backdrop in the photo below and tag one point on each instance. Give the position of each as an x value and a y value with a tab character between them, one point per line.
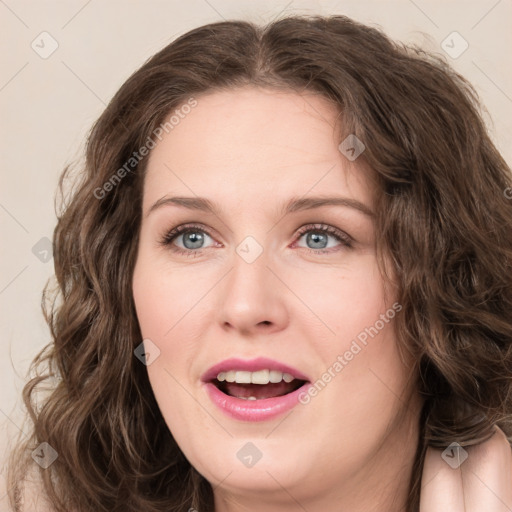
62	61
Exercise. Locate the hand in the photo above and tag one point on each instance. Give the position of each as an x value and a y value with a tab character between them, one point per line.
483	482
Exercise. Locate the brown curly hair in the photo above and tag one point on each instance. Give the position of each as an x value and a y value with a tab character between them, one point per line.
443	219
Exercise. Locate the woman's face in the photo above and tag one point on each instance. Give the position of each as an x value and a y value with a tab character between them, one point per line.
261	278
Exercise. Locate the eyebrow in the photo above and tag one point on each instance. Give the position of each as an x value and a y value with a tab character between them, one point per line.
294	205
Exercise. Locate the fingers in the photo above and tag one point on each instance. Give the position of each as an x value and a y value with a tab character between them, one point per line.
482	481
487	475
441	486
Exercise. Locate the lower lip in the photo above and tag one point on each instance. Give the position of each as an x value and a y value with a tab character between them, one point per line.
254	410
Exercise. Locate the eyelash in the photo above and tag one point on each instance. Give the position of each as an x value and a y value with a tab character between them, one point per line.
170	236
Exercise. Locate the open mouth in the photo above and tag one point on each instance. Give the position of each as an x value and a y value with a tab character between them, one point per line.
251	391
257	390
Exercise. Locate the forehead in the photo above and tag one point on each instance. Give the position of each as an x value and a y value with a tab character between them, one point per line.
253	144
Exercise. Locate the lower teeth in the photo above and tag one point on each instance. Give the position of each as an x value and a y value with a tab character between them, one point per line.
247	398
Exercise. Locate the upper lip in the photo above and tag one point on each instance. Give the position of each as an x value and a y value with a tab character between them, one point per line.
251	365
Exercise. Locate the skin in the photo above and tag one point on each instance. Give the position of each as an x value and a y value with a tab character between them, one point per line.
327	454
481	482
250	151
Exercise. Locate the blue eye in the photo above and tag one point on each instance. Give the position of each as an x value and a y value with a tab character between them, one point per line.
193	237
319	234
192	244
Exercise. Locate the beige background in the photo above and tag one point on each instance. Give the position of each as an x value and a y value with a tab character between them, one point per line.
48	104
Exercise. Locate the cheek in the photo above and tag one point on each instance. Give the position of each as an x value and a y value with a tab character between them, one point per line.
159	308
362	368
343	301
164	296
165	303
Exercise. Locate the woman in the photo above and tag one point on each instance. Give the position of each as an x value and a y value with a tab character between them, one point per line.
285	282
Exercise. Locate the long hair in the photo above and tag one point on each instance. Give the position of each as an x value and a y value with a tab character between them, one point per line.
443	219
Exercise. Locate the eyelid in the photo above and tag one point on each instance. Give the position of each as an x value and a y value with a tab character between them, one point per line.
343	238
337	233
172	234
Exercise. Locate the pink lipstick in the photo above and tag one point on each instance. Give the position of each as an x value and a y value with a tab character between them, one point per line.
254	390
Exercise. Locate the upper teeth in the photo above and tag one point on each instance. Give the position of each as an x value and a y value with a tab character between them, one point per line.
259	377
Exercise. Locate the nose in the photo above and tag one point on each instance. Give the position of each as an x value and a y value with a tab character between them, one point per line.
253	298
